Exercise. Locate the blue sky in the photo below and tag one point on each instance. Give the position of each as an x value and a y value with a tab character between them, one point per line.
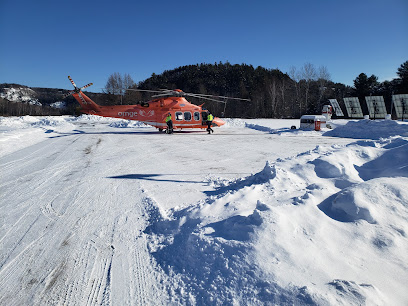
42	42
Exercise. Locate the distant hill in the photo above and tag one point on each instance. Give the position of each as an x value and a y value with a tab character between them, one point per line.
18	100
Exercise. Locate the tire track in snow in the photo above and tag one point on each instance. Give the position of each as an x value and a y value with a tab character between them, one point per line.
33	201
9	285
32	157
140	271
20	251
51	164
99	281
9	249
81	238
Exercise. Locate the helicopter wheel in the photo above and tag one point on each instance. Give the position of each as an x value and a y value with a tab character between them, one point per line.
160	130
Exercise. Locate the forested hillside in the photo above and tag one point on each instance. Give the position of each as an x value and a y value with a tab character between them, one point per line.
273	94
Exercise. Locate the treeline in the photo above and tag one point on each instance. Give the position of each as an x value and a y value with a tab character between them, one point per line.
273	94
8	108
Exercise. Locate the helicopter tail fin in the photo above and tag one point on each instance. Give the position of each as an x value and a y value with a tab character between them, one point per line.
88	106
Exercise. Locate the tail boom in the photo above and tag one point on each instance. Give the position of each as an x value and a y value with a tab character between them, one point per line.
88	106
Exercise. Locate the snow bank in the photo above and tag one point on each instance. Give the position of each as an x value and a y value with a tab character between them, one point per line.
19	132
233	122
112	122
361	129
357	129
321	228
128	124
369	129
373	201
31	121
285	131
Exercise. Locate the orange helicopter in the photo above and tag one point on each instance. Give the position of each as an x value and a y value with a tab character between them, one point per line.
185	114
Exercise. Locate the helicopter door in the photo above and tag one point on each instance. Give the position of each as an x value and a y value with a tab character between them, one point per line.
204	115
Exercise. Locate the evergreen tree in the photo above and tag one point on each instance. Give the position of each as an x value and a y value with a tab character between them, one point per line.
365	86
403	78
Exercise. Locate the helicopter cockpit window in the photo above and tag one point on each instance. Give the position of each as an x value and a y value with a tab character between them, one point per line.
196	116
187	116
179	116
204	114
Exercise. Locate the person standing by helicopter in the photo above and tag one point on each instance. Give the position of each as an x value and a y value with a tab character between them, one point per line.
169	123
210	118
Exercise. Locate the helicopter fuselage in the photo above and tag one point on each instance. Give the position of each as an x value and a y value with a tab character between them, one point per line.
185	115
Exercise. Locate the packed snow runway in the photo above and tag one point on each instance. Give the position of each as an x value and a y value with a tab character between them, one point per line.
106	211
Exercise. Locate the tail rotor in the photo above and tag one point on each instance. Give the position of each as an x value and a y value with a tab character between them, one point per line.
77	90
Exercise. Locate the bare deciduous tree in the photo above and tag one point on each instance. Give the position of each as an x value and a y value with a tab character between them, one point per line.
118	84
295	76
114	84
127	82
308	74
273	95
282	89
323	78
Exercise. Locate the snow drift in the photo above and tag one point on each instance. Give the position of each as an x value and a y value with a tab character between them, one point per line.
264	236
369	129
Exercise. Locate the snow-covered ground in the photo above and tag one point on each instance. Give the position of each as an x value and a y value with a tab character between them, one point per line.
104	211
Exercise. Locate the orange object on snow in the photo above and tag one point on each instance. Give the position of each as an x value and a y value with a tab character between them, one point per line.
184	114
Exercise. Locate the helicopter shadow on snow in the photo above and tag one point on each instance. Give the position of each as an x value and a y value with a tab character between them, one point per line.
151	133
81	132
155	177
161	177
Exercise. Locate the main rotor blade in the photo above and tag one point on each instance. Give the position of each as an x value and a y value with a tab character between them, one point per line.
165	92
82	98
168	94
214	100
224	97
68	94
73	83
155	91
90	84
206	98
